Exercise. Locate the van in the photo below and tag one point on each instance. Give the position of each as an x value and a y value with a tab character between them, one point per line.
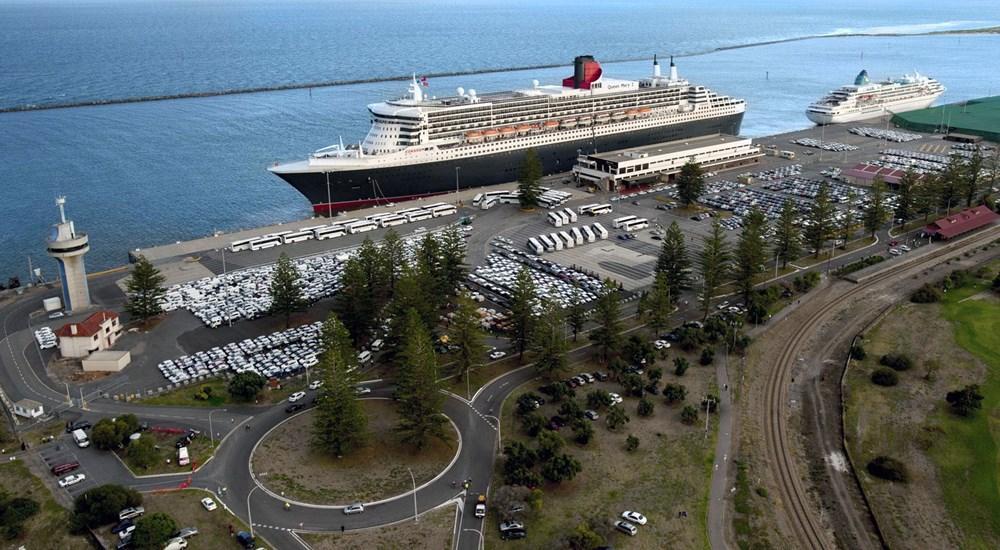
182	457
80	437
376	345
64	468
365	356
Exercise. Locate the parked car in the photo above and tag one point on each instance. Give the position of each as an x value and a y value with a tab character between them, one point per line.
130	513
626	527
176	543
497	355
362	390
634	518
296	396
315	384
121	526
209	504
72	479
78	425
591	414
187	532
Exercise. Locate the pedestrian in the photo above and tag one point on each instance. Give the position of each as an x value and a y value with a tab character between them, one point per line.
230	529
341	529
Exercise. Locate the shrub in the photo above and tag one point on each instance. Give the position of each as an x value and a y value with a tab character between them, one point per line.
885	377
598	399
583	432
245	385
631	443
152	530
645	408
805	283
673	393
532	423
858	352
896	362
689	415
13	513
926	294
888	468
707	356
100	505
680	366
966	401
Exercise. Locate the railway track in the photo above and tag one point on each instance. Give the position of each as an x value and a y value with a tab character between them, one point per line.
801	514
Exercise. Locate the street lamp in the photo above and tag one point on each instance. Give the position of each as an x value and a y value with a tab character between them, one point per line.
416	518
329	210
250	517
482	541
211	432
457	168
499	437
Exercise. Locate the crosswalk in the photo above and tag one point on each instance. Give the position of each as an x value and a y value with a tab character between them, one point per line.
937	148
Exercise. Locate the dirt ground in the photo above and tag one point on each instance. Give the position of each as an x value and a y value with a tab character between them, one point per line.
434	531
49	527
284	461
668	474
71	371
187	511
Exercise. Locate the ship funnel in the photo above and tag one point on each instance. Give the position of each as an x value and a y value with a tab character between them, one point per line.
673	70
656	67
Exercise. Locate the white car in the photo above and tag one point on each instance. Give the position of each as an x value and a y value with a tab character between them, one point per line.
209	504
362	390
497	354
296	396
634	517
626	527
615	398
661	344
354	509
72	480
904	248
315	385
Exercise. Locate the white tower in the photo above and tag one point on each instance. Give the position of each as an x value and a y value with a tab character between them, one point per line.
68	247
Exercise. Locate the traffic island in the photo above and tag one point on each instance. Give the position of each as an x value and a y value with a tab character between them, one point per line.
433	531
285	463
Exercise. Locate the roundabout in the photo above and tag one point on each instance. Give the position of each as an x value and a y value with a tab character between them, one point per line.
284	463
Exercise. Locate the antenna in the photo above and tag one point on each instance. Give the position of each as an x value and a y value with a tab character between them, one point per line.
61	203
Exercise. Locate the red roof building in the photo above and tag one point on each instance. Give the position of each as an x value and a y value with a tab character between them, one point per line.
963	222
98	332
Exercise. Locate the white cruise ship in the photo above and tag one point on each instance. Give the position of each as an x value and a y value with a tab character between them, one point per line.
867	99
421	145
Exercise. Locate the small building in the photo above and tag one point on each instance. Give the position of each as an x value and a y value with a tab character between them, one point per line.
662	161
28	408
107	361
98	332
960	223
865	174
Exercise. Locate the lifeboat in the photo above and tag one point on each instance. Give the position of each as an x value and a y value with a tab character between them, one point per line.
568	123
491	134
508	131
523	129
474	137
632	113
602	118
618	116
644	111
550	125
585	121
535	129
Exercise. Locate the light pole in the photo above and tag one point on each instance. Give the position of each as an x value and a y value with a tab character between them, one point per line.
499	436
416	518
211	432
250	517
708	411
329	210
457	168
482	541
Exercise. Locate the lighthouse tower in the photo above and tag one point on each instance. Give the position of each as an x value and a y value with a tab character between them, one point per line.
68	247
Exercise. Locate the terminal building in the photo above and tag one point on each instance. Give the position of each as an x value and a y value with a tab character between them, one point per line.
614	170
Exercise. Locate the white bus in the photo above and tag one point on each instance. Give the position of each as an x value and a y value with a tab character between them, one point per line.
297	236
443	210
329	232
240	245
588	234
635	225
513	197
600	209
267	241
572	215
360	226
478	199
392	220
557	240
568	241
488	202
577	235
600	231
547	242
554	219
418	215
565	218
535	247
618	222
585	209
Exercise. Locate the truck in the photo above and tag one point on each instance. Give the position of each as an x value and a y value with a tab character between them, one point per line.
481	506
80	437
183	458
52	304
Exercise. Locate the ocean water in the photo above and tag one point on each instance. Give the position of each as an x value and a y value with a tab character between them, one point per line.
149	173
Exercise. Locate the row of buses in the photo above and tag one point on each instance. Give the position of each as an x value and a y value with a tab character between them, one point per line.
567	238
594	209
550	198
630	223
562	217
345	227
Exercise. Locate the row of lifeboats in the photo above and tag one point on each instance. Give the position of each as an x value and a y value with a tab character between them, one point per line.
492	134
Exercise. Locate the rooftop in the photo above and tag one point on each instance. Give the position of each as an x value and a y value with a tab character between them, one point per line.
89	327
667	148
964	221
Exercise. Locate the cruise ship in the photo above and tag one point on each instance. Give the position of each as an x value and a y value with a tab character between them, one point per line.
422	145
867	99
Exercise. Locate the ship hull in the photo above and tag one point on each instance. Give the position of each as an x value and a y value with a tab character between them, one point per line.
902	107
359	188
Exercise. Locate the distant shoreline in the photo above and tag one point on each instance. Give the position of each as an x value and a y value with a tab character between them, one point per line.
397	78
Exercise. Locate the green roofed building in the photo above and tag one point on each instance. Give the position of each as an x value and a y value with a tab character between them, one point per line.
978	117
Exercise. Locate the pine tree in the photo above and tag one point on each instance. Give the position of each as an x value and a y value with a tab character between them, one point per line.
527	181
466	334
286	294
820	220
411	293
340	424
925	198
906	199
750	252
430	268
548	341
524	298
950	183
393	257
972	180
877	211
788	237
607	312
714	263
354	300
452	262
674	261
660	303
848	221
145	290
690	182
576	315
418	389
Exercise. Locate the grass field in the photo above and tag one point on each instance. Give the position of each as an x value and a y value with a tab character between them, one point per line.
432	532
668	474
199	450
953	498
219	397
47	528
185	508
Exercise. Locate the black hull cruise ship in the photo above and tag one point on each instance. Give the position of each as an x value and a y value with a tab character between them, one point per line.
419	146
